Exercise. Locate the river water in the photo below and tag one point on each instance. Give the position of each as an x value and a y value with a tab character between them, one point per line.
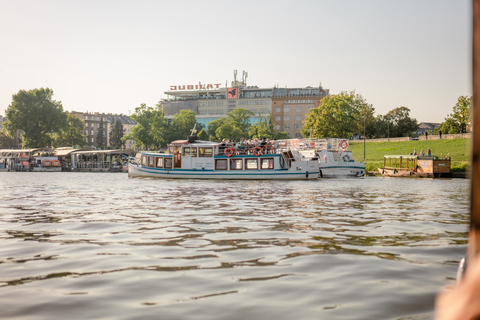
103	246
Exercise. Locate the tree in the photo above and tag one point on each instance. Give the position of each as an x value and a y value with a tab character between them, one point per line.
151	130
459	119
213	126
101	140
71	133
36	114
228	131
183	124
203	135
396	123
338	116
264	128
282	135
6	141
116	135
240	118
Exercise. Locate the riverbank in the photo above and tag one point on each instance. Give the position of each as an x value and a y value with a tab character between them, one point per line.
457	149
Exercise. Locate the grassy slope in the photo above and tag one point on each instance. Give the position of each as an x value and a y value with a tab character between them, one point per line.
459	150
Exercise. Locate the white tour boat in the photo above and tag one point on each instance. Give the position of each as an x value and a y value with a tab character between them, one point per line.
333	156
194	159
45	161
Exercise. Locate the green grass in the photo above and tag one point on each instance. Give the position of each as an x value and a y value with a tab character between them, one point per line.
459	150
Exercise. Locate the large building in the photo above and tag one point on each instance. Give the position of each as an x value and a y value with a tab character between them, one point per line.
92	124
288	106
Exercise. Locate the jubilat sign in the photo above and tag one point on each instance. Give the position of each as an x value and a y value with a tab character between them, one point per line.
195	86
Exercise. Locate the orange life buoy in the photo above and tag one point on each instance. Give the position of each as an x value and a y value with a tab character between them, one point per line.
229	152
344	144
47	163
55	163
257	151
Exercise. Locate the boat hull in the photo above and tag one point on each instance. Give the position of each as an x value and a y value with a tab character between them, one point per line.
333	171
137	171
405	173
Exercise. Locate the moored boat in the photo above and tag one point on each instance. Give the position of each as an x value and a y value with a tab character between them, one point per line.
415	166
194	159
45	161
334	158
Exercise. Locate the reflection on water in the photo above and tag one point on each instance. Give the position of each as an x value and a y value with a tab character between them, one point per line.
103	246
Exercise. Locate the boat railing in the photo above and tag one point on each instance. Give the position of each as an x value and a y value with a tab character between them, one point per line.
93	164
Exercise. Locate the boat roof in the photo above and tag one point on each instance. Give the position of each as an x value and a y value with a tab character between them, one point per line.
402	156
116	151
66	151
25	150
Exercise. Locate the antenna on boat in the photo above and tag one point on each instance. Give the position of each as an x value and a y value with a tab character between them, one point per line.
193	130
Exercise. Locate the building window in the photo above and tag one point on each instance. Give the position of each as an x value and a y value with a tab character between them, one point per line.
168	163
286	118
252	164
277	109
267	164
205	152
159	162
221	164
277	118
277	127
236	164
286	126
299	117
286	109
299	109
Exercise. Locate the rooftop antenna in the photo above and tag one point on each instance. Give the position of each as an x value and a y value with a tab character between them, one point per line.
235	76
246	76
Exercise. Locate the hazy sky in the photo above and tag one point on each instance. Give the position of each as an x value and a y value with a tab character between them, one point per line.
111	56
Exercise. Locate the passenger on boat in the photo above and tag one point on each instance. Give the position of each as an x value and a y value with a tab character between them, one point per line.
241	145
235	146
221	147
275	145
263	145
414	151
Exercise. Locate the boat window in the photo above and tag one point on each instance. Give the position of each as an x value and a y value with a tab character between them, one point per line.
221	164
168	163
186	152
236	164
266	163
193	152
252	164
205	152
144	161
160	162
151	161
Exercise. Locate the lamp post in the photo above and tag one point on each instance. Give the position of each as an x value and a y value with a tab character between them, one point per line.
364	118
388	131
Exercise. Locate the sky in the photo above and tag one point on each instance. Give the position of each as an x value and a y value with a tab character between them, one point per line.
111	56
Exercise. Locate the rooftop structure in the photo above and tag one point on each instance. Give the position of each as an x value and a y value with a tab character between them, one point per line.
288	106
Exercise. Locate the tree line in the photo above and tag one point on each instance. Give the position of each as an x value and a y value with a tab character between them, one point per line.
347	113
44	123
154	131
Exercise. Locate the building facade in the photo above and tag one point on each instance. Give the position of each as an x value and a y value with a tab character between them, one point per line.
288	106
92	124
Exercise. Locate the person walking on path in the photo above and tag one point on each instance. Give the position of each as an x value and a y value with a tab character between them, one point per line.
426	135
440	134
